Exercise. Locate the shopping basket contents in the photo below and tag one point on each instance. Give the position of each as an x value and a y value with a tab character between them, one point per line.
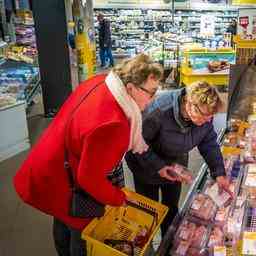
126	230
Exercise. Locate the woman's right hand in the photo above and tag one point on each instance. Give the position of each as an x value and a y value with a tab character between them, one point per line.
165	173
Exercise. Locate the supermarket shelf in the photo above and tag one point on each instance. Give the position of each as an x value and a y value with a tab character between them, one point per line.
18	103
33	85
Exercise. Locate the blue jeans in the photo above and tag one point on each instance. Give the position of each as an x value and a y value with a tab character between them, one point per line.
67	240
106	53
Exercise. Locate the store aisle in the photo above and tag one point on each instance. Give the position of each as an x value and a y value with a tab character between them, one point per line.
25	231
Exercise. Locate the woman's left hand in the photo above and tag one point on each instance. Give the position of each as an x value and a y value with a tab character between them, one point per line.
224	185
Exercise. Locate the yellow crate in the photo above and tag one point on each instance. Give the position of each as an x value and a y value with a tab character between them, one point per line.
187	77
243	43
123	223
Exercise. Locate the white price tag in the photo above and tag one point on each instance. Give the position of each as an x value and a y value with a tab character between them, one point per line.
219	251
249	243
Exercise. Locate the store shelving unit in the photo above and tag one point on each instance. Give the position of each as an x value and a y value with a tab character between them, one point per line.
242	209
13	130
131	28
246	50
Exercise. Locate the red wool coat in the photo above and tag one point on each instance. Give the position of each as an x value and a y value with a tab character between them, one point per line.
97	138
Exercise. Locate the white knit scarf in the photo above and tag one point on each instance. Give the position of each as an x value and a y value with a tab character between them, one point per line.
131	110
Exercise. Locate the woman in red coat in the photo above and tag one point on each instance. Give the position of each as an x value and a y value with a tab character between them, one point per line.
97	132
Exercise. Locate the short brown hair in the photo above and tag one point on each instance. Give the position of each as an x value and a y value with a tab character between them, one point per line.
202	93
136	70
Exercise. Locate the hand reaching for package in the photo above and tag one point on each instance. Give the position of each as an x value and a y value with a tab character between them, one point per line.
176	172
224	185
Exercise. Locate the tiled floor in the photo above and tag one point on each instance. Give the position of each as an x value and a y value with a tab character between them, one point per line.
25	231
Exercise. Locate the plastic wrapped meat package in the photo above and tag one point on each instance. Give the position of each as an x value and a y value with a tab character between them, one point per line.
181	172
222	199
248	156
250	180
191	239
242	143
228	164
249	153
216	238
231	139
221	216
203	207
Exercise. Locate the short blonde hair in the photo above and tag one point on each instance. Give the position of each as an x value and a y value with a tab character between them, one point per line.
202	93
137	70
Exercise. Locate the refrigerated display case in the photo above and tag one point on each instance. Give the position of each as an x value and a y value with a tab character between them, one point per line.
238	144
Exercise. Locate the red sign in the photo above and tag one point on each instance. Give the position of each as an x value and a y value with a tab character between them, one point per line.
244	21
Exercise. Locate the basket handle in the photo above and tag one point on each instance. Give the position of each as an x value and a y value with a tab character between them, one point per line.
144	209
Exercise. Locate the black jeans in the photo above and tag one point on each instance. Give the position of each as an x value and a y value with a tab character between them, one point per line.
67	240
170	198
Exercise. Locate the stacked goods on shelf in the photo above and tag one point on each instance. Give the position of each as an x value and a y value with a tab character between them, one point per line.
131	29
26	54
25	48
25	35
16	83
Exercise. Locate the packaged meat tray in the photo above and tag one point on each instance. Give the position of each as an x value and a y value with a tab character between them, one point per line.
231	139
221	216
181	172
203	208
216	238
222	199
250	180
191	239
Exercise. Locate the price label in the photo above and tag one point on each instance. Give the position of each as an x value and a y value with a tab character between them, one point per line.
219	251
249	243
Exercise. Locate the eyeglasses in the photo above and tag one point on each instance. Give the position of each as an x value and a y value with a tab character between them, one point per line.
202	115
151	94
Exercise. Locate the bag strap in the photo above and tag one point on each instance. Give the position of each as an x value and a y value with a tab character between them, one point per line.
72	181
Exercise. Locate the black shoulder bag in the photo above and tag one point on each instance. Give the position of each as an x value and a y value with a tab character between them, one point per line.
82	204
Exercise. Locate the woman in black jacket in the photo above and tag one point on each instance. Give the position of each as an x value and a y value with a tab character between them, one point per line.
175	123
